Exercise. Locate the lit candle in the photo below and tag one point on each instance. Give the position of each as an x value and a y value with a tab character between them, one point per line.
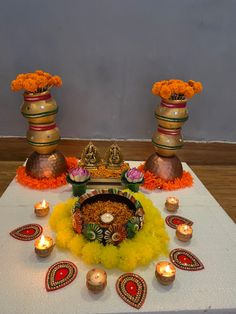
172	204
43	246
165	273
41	209
107	218
96	280
184	232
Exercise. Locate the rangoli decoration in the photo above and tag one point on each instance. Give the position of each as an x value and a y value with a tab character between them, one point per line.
148	244
132	289
174	220
27	232
60	275
185	260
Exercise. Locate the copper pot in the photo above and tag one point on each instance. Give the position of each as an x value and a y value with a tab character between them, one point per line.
171	114
43	138
167	141
39	108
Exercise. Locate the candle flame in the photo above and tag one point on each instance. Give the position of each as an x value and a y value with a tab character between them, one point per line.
42	241
44	203
167	269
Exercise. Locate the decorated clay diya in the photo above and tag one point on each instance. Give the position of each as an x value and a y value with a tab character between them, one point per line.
96	280
43	246
41	209
165	273
172	204
184	232
108	216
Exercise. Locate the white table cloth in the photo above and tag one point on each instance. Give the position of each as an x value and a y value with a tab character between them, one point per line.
212	290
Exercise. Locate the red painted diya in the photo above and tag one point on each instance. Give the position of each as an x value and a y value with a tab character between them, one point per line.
27	232
132	289
173	221
60	275
185	260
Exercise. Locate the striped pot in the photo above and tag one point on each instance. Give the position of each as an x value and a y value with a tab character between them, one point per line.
43	138
167	141
171	114
39	108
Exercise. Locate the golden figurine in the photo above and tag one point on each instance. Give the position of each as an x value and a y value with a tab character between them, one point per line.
113	157
90	156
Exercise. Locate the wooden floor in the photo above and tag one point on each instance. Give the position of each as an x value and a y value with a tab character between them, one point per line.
214	163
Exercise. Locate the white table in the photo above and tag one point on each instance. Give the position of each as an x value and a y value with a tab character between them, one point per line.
213	289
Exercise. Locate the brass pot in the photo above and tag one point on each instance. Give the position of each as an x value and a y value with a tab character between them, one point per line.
171	114
39	108
167	141
43	138
46	165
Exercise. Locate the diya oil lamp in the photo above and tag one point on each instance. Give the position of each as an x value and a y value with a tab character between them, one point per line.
172	204
165	273
96	280
184	232
43	246
41	209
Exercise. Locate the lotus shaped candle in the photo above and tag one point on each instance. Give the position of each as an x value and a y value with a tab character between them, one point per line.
79	174
78	177
132	179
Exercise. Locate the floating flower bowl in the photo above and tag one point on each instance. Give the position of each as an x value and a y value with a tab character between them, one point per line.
108	216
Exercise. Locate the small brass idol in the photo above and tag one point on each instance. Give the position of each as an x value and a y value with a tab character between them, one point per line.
90	156
113	157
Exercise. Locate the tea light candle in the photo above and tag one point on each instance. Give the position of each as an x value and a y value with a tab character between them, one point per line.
41	209
172	204
184	232
165	273
43	246
96	280
107	218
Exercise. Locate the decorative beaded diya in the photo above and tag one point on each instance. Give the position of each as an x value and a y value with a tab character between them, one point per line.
108	216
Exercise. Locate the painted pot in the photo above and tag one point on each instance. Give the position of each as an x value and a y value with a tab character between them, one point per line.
167	141
39	108
43	138
171	114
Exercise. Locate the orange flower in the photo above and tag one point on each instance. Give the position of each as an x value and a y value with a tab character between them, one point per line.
16	85
197	86
55	81
156	88
176	89
36	82
189	92
30	85
165	92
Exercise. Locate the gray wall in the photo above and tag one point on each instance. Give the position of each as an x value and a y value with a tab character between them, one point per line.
109	52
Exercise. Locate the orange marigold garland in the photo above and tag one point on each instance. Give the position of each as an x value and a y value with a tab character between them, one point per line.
46	183
152	182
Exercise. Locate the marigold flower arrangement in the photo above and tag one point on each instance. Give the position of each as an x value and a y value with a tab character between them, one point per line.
36	82
176	89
